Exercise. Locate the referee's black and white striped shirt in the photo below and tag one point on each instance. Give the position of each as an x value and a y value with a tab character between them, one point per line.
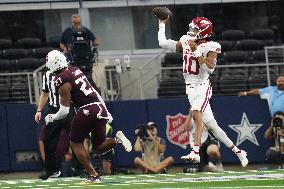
49	87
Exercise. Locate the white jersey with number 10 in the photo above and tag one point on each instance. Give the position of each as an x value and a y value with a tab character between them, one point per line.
193	72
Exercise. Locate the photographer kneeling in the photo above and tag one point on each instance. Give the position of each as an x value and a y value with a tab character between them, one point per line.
276	132
152	148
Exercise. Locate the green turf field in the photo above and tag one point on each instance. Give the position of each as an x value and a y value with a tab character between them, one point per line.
227	179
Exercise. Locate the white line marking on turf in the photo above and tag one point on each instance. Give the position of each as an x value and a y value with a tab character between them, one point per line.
211	173
128	177
95	185
10	182
121	184
6	187
139	183
168	175
268	171
63	184
25	186
42	185
108	178
75	186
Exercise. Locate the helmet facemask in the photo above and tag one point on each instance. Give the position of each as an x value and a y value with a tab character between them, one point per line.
193	32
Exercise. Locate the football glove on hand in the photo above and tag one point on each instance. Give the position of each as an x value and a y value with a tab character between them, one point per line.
49	118
110	118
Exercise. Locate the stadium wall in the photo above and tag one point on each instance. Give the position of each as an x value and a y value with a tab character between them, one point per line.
249	116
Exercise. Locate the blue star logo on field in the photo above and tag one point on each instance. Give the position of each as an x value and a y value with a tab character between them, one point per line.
246	130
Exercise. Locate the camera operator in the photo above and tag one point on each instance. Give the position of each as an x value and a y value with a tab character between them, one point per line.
276	132
152	148
79	45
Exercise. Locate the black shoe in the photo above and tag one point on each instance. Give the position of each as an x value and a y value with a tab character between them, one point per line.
48	175
94	179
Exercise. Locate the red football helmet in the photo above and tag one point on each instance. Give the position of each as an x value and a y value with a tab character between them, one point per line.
200	28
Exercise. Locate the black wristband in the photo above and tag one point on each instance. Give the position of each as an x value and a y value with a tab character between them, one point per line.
38	111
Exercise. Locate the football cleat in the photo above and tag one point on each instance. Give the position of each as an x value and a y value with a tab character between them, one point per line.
93	179
124	141
242	155
48	175
193	157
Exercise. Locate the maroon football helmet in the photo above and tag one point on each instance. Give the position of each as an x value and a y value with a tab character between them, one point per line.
200	28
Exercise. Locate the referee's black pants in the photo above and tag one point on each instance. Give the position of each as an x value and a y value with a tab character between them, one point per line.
52	133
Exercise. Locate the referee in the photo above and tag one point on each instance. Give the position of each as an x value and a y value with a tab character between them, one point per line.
53	130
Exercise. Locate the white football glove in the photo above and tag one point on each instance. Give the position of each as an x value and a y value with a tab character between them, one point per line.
49	118
110	118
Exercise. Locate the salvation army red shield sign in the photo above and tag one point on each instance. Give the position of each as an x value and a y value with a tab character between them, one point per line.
176	132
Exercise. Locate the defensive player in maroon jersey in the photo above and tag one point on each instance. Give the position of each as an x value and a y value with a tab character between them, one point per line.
92	113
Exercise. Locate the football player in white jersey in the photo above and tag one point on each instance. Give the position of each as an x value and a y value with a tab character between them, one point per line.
199	60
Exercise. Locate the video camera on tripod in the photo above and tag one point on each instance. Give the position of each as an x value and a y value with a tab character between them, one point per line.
82	52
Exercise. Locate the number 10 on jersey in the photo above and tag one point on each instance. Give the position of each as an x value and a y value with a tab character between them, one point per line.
190	65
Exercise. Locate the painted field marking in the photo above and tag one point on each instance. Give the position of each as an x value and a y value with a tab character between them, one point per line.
42	185
140	183
6	187
167	175
267	171
108	178
74	186
121	184
93	185
25	186
55	187
212	173
10	182
148	176
129	177
63	184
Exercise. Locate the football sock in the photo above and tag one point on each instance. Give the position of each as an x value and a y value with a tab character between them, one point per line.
235	149
195	148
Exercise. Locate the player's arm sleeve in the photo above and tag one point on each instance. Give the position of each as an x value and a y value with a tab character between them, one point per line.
65	98
163	41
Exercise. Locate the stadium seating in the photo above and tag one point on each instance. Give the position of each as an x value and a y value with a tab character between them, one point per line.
249	44
266	36
233	35
41	52
15	53
226	45
5	44
235	57
53	41
233	80
29	43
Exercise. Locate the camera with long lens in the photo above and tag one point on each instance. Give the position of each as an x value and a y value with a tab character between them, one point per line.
82	52
277	122
142	131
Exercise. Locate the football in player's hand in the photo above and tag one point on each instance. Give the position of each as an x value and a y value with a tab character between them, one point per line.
162	12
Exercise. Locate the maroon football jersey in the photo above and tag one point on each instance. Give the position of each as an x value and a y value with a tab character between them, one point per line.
82	92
